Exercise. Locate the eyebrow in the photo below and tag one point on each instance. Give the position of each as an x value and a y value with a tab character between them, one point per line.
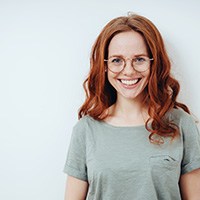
136	55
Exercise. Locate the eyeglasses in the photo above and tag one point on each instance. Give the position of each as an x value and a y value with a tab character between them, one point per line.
117	63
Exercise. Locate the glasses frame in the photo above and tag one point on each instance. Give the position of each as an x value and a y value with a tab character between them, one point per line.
125	62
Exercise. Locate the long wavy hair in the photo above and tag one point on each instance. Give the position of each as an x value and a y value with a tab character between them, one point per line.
161	91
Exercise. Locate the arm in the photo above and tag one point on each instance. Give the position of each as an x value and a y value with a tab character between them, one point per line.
190	185
76	189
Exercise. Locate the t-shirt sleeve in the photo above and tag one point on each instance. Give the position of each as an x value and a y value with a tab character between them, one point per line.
191	143
76	158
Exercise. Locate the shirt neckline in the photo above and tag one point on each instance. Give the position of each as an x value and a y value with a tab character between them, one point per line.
142	126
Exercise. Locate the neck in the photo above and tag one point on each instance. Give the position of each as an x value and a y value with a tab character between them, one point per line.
127	112
129	108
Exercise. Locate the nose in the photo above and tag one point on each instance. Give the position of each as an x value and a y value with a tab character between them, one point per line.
128	69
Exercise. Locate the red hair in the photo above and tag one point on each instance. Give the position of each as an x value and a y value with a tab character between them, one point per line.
162	89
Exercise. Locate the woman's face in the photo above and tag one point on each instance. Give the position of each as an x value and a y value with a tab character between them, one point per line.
128	83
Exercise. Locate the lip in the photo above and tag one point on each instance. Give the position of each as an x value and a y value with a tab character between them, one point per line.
126	86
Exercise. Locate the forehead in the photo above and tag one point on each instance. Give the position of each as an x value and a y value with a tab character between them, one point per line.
127	44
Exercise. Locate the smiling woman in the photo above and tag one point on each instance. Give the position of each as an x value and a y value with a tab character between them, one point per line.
129	82
134	140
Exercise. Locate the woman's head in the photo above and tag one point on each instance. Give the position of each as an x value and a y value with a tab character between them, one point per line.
128	65
98	86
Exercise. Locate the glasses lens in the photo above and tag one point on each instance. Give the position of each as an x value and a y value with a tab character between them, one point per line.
116	64
141	63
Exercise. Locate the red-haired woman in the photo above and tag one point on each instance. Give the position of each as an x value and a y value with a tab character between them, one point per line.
133	139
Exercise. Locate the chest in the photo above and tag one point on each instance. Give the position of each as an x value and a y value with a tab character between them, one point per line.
125	154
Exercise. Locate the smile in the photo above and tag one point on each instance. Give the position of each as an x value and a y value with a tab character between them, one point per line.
130	82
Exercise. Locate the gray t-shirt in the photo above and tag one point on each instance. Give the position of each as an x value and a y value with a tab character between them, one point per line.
120	163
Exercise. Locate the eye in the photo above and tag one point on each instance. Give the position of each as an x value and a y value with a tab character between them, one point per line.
140	60
116	60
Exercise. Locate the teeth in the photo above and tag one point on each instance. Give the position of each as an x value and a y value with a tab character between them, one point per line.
129	82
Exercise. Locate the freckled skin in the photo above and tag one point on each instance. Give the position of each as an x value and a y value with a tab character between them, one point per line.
128	44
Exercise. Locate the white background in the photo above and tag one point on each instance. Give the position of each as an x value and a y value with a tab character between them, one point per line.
44	58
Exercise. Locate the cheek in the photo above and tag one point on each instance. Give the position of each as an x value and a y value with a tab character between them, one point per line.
146	75
111	77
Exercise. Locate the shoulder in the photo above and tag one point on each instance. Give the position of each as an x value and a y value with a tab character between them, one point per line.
84	125
186	123
180	117
84	122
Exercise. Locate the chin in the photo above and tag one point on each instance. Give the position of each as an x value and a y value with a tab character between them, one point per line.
135	96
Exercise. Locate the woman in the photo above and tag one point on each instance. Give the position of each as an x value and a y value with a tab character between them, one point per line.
133	139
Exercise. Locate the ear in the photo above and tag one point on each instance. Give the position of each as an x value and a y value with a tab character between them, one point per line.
106	68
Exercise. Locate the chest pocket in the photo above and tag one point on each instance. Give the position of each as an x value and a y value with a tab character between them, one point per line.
164	162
